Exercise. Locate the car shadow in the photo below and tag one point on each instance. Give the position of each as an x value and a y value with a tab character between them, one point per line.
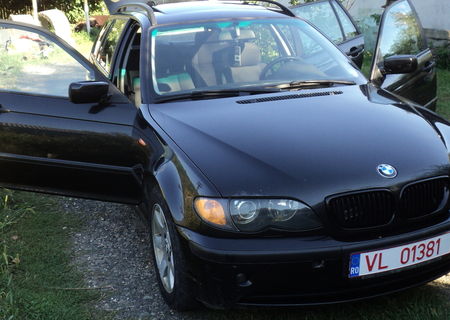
431	301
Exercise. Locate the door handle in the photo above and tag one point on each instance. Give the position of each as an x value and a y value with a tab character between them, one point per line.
3	110
355	51
429	66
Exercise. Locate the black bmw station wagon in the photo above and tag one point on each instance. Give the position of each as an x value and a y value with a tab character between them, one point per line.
269	169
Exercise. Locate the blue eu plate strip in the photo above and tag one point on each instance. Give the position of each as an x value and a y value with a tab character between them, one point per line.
354	265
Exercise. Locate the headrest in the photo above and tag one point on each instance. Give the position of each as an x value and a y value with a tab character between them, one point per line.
250	55
247	34
225	36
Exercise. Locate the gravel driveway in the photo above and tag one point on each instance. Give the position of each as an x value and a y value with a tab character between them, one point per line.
113	251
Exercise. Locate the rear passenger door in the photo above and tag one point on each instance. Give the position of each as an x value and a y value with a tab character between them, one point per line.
330	17
401	34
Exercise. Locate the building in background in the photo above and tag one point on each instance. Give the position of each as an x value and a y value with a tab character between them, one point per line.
434	14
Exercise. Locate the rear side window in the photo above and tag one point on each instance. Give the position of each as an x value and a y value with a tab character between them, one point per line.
107	43
321	14
349	29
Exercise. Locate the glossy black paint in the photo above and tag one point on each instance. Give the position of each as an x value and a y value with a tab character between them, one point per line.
419	86
307	148
269	149
48	141
89	92
274	153
293	271
399	64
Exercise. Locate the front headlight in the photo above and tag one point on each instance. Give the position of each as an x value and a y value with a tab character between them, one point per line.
253	215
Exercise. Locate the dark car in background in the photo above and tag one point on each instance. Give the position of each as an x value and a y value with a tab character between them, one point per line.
269	169
337	24
331	18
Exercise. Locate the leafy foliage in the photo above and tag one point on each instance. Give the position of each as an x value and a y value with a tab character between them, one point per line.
295	2
73	9
442	55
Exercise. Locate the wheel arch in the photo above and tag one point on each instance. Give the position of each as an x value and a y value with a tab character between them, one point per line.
179	183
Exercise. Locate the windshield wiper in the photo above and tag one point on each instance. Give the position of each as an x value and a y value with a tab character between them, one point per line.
209	94
311	83
205	94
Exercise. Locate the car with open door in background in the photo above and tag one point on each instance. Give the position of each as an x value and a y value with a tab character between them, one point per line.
270	170
330	17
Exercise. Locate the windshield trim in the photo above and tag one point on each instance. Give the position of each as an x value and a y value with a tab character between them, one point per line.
311	31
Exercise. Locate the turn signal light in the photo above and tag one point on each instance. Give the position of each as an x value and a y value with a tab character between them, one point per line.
211	211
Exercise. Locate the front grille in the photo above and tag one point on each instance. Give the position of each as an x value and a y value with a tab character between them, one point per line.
362	210
424	198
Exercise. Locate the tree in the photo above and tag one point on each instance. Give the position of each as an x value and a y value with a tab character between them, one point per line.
295	2
73	8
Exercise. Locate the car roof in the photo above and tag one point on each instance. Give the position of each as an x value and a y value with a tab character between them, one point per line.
212	10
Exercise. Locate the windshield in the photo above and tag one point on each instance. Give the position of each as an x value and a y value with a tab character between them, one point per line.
242	54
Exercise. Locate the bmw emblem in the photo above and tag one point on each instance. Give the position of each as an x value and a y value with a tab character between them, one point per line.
387	171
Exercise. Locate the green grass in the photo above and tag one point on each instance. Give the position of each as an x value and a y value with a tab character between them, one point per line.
443	106
83	41
37	279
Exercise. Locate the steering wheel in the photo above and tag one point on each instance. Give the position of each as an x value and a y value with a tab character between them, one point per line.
273	63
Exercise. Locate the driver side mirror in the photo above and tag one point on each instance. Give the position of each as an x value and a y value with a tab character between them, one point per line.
399	64
88	91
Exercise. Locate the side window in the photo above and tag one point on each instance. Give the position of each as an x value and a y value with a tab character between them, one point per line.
266	42
349	29
310	47
98	42
32	63
321	14
107	44
407	39
286	34
129	82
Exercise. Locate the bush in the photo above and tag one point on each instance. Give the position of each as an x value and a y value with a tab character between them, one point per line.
442	55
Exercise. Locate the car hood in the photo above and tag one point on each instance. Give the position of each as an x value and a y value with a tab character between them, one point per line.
305	144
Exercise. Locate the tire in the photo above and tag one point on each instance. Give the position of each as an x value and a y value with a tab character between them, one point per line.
168	259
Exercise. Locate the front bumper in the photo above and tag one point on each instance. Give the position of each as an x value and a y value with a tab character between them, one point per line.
297	271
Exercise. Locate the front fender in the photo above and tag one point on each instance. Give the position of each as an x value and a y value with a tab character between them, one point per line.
180	182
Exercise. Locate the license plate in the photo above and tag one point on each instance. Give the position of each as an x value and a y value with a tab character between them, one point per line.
378	261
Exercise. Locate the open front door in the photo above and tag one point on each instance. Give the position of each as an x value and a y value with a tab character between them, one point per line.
403	63
49	143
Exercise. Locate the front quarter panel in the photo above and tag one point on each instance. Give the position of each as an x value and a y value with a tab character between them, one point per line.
178	179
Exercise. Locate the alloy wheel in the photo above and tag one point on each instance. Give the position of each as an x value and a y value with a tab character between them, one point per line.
162	247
